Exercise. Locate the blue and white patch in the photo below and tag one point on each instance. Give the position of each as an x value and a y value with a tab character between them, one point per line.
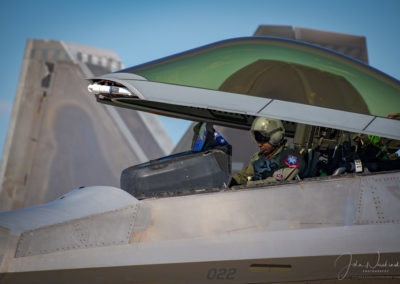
292	161
220	140
279	176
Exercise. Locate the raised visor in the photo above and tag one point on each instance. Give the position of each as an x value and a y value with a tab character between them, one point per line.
180	172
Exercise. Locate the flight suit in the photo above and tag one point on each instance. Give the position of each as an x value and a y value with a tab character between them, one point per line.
283	164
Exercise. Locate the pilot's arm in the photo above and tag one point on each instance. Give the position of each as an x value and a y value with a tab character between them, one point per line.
284	174
244	175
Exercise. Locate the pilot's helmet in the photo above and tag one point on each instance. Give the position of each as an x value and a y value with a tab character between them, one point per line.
268	130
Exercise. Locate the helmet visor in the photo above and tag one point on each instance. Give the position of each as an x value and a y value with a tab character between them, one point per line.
260	138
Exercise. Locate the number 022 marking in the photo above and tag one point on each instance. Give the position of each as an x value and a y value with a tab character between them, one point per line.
221	274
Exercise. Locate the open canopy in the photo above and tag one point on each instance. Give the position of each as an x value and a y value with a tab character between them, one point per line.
232	81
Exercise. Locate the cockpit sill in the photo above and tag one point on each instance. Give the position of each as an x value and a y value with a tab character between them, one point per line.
302	183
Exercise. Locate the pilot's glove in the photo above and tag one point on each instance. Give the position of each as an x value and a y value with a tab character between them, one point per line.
232	182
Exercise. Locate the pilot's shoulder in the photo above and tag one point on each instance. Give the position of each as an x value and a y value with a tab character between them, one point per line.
292	158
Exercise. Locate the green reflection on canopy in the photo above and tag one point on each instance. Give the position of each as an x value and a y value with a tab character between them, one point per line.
210	66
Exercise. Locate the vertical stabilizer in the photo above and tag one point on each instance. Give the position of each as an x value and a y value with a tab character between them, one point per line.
59	137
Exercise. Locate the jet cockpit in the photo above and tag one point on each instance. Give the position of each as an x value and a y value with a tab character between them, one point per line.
337	111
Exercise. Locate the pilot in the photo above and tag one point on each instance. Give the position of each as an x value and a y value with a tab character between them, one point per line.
275	161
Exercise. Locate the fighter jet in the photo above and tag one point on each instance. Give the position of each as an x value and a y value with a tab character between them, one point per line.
176	220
